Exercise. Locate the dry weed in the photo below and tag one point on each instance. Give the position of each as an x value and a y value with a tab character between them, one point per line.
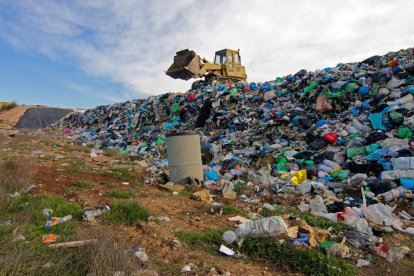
109	254
15	174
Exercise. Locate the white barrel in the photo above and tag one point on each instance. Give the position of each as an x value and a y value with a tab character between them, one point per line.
184	156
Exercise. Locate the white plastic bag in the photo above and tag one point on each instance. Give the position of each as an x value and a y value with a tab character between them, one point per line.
264	227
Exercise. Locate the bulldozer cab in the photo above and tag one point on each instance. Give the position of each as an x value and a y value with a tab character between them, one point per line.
227	56
231	61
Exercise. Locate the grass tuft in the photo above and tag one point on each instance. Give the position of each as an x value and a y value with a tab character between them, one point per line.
84	184
233	210
126	212
208	241
121	193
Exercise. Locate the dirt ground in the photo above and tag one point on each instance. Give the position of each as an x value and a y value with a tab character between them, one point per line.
61	163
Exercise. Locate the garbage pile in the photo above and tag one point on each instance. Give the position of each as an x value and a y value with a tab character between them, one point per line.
344	134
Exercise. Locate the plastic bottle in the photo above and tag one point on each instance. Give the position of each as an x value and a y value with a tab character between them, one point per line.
396	193
325	169
393	142
406	99
360	127
330	163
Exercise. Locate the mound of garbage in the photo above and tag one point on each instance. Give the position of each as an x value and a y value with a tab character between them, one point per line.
342	137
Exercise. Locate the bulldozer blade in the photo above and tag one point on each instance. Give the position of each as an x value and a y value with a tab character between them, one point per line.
186	65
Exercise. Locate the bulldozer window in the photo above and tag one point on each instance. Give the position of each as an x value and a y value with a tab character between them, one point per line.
230	58
220	58
236	58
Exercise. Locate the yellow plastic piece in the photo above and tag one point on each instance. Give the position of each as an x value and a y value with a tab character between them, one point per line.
298	177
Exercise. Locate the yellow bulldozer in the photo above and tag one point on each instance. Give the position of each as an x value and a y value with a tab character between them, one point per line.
227	65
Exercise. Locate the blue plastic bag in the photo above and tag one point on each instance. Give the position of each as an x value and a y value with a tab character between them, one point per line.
211	175
407	183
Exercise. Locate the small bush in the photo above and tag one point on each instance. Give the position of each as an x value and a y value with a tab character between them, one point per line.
126	212
121	193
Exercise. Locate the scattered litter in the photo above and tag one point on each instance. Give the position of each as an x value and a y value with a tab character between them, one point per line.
224	249
339	250
49	238
90	214
229	237
362	263
72	243
203	195
239	219
392	254
53	221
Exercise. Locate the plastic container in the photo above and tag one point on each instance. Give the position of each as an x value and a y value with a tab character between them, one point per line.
184	156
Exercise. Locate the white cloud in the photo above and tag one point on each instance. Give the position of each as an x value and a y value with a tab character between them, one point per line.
133	42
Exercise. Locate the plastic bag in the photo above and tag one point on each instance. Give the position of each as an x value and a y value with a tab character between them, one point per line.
317	205
229	237
382	215
264	227
299	177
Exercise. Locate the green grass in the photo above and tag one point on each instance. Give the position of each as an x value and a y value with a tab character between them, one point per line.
29	209
208	241
126	212
308	261
84	184
323	223
239	187
121	193
185	193
28	257
312	220
233	210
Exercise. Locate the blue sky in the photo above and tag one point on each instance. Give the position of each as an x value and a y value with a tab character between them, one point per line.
87	53
31	78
